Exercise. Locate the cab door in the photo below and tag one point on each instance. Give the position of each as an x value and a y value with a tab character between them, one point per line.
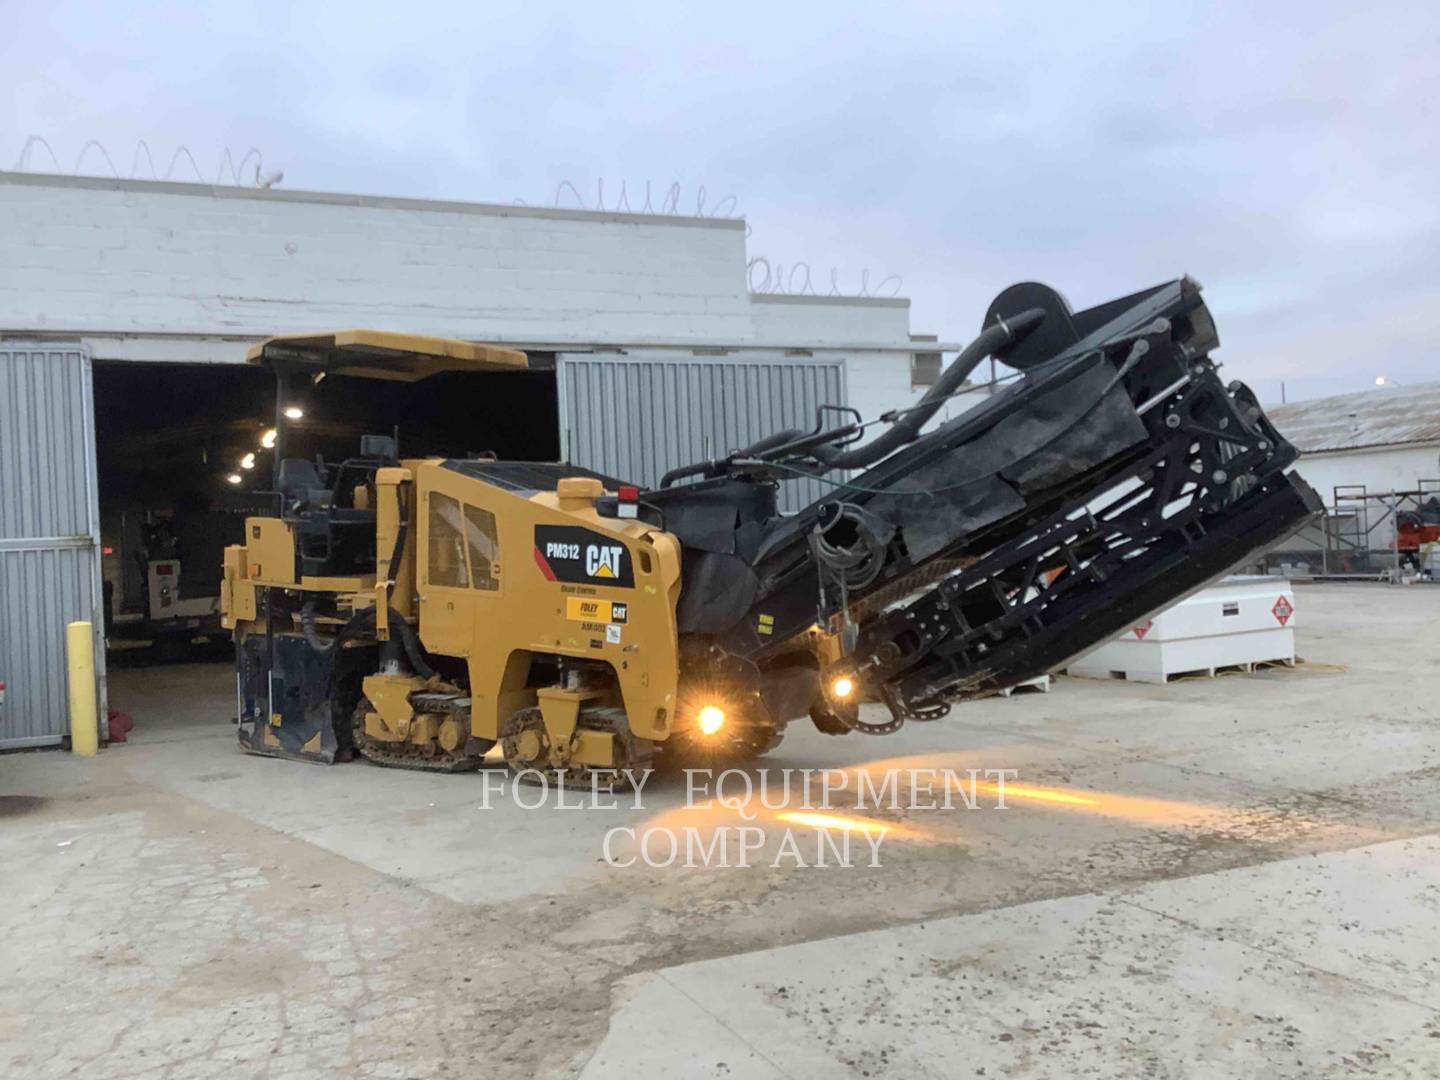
460	572
447	615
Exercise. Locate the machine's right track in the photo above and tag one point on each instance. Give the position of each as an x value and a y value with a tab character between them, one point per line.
635	755
408	755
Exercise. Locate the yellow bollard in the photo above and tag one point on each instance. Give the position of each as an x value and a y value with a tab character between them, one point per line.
84	725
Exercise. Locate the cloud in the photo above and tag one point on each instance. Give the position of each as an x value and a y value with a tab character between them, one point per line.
1286	154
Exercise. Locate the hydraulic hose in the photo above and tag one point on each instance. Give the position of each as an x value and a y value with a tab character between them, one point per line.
755	449
849	543
907	427
315	641
409	640
770	442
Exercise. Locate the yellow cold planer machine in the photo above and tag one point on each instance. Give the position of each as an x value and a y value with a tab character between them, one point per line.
419	611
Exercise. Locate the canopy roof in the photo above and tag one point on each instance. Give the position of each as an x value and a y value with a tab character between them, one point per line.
380	354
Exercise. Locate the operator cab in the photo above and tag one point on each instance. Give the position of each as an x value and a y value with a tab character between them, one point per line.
331	508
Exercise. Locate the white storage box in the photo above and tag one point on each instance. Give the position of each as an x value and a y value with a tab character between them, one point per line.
1238	622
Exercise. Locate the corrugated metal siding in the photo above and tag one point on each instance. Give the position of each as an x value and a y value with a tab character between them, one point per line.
49	541
638	416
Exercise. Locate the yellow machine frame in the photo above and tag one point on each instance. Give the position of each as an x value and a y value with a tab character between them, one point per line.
472	580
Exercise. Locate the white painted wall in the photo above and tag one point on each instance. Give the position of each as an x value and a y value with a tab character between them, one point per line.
1382	469
135	256
807	321
878	381
183	266
192	273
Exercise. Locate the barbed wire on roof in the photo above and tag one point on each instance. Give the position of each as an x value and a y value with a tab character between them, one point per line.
763	275
246	172
776	279
670	201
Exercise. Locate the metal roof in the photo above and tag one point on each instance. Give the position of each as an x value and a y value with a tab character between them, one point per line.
1395	416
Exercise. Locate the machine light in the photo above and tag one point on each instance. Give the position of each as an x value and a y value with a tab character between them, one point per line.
842	688
294	412
248	461
711	719
233	478
267	440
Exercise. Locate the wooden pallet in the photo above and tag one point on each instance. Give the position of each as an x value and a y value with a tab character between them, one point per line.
1034	686
1198	673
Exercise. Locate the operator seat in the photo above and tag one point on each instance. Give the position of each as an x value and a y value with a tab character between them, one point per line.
301	487
334	538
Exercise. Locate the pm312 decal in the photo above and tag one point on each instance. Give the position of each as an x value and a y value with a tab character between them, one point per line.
582	556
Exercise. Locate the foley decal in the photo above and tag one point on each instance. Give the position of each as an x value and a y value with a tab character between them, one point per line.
586	610
582	556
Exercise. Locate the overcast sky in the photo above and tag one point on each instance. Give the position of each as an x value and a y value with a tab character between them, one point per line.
1285	156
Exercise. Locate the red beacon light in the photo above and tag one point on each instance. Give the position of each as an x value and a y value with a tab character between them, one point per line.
628	501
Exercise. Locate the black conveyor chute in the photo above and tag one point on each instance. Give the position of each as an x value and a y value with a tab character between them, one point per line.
907	427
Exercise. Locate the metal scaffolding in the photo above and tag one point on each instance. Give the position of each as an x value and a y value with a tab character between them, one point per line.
1359	538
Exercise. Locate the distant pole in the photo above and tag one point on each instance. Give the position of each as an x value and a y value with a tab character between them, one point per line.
1282	391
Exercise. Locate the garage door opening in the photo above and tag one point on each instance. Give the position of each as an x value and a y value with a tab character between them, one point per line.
184	455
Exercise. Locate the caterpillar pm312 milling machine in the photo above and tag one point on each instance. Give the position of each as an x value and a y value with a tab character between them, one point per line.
417	611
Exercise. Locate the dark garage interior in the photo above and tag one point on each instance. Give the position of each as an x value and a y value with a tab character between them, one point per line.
183	456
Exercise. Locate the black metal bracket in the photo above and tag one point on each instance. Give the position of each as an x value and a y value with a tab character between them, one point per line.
984	627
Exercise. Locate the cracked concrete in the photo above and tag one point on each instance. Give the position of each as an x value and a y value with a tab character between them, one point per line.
1244	972
1243	881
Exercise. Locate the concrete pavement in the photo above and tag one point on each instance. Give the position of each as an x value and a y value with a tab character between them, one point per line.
1259	850
1319	966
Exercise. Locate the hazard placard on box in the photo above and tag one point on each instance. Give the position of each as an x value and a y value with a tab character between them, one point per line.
1282	610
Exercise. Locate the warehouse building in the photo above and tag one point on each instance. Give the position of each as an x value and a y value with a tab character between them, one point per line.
132	433
1374	459
1379	440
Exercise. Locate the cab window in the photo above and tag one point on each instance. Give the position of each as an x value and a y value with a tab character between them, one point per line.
484	546
447	549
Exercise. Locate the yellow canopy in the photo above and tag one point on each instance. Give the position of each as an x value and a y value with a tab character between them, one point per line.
380	354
